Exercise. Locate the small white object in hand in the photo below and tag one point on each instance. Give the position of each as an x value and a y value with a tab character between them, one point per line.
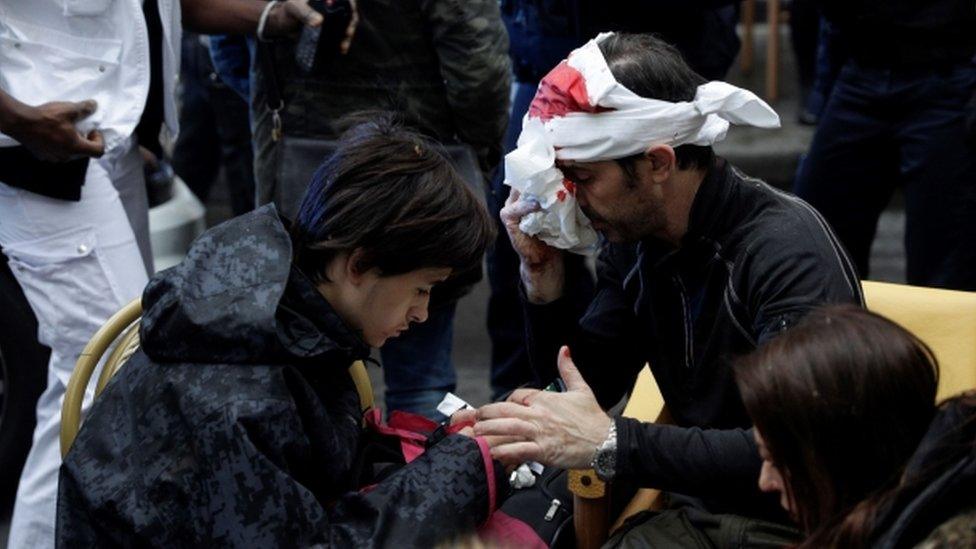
522	477
451	404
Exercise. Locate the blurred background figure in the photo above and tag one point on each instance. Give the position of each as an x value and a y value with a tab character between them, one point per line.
215	130
896	119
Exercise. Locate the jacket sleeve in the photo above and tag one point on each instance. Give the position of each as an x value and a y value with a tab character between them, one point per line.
687	460
603	341
448	491
472	46
267	489
787	274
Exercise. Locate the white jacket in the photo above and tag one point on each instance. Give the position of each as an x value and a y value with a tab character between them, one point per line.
71	50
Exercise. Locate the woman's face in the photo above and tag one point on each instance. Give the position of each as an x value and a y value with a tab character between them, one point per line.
385	306
771	479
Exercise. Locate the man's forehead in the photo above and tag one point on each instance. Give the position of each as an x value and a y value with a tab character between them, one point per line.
577	165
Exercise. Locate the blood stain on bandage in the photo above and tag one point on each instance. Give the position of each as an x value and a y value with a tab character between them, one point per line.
561	195
562	91
570	186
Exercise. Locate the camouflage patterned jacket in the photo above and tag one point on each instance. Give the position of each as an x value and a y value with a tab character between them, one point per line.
237	424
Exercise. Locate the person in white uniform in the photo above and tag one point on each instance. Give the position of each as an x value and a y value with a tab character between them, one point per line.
75	79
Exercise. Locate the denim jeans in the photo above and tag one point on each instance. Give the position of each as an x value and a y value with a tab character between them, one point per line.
888	128
215	131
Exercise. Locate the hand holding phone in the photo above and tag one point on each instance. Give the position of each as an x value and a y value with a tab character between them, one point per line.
318	46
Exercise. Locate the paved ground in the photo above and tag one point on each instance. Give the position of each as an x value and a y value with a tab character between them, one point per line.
769	154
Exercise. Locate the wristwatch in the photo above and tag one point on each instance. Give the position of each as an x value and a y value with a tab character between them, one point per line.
604	461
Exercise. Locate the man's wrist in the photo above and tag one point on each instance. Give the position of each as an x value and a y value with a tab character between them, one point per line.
542	287
266	14
604	460
11	114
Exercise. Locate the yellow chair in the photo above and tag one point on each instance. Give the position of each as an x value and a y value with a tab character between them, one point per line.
944	319
123	327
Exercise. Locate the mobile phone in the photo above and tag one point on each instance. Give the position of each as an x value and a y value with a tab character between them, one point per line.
557	386
318	46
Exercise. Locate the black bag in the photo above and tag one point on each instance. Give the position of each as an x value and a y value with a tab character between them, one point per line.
62	180
546	508
298	157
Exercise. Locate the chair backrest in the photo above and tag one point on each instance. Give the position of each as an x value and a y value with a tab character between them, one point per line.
944	319
124	322
123	330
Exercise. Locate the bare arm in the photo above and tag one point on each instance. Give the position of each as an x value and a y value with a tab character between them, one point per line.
223	16
242	16
48	131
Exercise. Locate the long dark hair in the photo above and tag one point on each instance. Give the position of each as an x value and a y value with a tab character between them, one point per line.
841	401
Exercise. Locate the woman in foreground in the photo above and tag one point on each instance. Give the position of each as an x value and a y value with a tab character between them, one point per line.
851	437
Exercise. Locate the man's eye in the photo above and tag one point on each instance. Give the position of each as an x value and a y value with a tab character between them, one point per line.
577	177
423	292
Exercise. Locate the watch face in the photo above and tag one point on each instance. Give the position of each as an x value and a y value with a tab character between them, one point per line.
606	463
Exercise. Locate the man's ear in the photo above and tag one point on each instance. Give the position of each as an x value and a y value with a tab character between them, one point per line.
662	162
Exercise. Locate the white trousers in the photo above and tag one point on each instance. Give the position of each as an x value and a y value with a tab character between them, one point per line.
78	263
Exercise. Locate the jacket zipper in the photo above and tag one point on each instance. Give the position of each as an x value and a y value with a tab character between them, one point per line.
689	344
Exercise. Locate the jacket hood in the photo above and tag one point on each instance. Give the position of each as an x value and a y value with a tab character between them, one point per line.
236	298
945	464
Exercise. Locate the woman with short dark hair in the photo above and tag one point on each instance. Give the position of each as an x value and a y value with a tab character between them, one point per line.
850	436
237	423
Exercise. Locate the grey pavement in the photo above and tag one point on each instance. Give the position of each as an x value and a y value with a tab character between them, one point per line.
769	154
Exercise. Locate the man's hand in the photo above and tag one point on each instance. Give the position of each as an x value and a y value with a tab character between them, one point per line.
555	429
542	268
288	18
49	132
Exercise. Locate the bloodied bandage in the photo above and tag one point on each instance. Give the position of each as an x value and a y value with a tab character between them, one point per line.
581	113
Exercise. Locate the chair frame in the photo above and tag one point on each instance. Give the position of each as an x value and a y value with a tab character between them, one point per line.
125	322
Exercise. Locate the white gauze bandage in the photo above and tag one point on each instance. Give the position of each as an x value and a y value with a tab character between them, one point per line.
582	113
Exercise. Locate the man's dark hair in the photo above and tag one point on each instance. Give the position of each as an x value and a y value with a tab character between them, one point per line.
389	192
652	68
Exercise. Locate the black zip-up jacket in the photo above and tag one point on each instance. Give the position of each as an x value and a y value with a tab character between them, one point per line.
238	425
753	262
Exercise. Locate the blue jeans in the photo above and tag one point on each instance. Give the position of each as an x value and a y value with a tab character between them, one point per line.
417	367
888	128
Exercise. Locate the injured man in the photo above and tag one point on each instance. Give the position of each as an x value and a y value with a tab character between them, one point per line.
698	264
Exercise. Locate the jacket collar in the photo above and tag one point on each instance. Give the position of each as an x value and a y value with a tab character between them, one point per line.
709	211
707	219
309	326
